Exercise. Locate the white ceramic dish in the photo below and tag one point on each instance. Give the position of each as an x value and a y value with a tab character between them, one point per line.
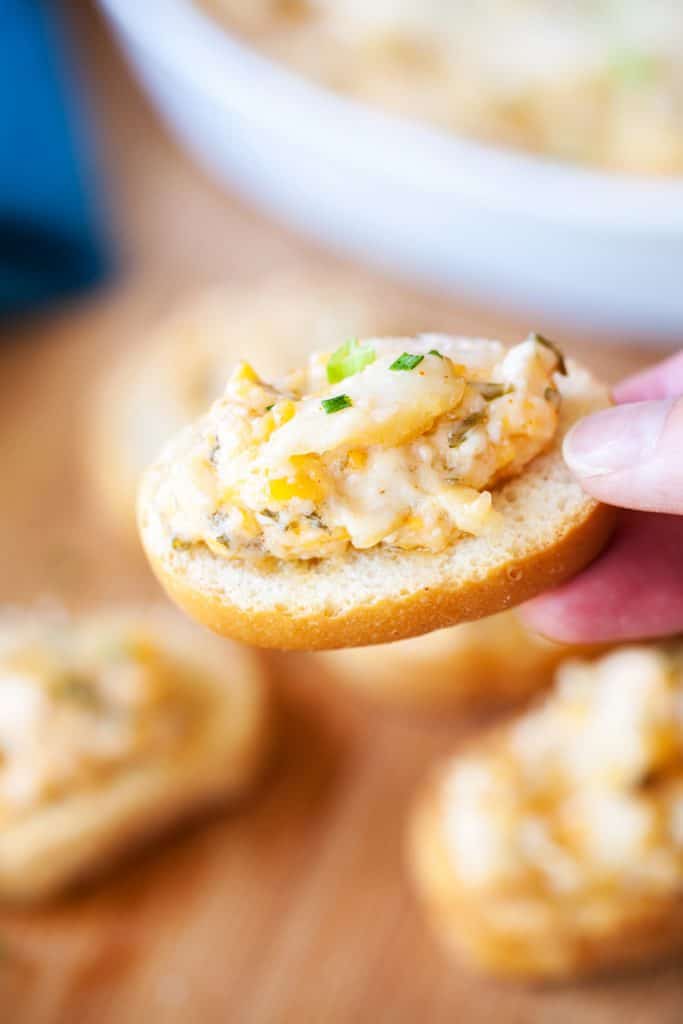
597	250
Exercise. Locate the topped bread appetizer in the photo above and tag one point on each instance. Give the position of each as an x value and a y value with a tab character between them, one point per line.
553	847
113	728
385	489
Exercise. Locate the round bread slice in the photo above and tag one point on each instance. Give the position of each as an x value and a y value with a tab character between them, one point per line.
538	852
493	663
550	529
86	830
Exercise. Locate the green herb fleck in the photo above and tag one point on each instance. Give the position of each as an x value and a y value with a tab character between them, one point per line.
407	361
457	436
269	407
336	404
349	359
435	352
213	454
552	395
75	688
490	390
633	69
561	364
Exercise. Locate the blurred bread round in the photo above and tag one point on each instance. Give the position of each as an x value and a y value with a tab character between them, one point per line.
550	847
495	661
79	830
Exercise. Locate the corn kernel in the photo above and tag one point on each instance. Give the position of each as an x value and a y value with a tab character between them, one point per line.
357	459
245	372
242	380
301	486
283	412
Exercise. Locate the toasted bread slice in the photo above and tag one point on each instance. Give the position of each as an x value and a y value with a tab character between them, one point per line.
548	530
493	663
551	847
68	814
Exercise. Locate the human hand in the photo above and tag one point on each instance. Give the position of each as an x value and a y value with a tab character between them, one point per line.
630	456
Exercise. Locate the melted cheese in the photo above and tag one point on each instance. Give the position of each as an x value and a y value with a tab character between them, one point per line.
584	792
402	457
77	708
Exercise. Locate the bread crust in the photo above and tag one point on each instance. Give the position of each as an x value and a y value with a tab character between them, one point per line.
646	928
434	607
83	835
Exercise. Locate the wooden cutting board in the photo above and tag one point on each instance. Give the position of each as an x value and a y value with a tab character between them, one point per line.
296	908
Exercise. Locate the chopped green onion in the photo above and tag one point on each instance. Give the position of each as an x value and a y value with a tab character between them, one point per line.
552	395
561	365
489	390
336	404
349	359
407	361
457	436
269	407
435	352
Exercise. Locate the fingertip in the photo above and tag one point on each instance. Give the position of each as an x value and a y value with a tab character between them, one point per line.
551	619
665	380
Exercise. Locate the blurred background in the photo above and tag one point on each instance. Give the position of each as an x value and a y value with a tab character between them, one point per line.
155	154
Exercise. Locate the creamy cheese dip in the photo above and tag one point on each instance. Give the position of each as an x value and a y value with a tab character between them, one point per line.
395	442
583	794
598	82
77	705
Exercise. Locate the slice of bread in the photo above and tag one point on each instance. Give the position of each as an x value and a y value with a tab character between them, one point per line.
84	831
489	664
550	529
548	848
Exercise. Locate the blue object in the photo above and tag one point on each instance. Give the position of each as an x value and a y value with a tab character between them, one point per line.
51	231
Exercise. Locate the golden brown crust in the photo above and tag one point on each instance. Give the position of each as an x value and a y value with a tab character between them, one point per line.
648	927
433	607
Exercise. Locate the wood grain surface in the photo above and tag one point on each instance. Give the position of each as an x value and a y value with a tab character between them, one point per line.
296	908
